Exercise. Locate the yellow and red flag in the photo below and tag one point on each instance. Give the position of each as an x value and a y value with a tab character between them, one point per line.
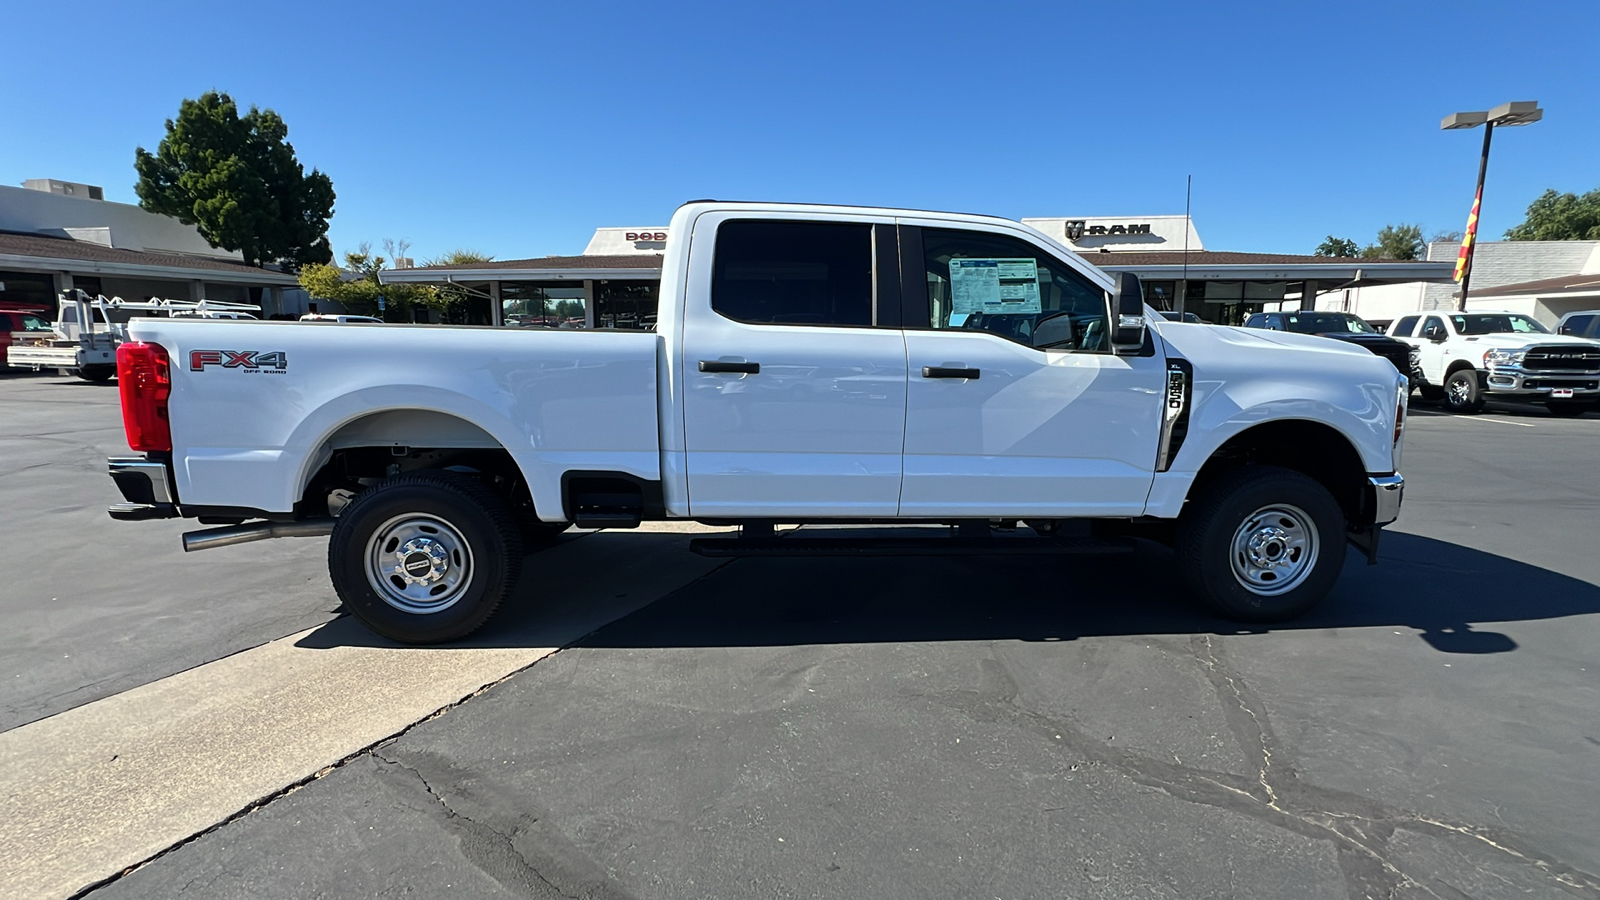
1464	258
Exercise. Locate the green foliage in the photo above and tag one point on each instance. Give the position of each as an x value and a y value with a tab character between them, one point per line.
1560	217
1334	246
357	287
237	180
1397	242
459	257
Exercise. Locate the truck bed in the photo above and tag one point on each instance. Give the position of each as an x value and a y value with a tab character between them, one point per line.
258	407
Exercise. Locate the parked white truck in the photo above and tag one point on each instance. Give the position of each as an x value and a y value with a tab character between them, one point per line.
1464	358
812	364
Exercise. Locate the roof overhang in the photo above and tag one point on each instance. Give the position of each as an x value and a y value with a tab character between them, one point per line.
509	273
1351	274
137	270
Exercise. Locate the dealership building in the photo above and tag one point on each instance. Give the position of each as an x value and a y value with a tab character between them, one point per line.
616	281
60	235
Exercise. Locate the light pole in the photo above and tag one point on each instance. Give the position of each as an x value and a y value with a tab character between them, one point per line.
1517	112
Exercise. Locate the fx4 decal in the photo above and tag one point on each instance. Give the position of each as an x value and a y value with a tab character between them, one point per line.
248	360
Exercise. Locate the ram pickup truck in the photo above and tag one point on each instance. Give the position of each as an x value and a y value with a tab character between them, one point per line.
1464	358
811	364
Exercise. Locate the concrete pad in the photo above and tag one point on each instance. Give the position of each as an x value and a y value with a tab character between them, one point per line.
108	785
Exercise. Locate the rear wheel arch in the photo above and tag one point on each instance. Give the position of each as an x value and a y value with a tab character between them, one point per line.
369	449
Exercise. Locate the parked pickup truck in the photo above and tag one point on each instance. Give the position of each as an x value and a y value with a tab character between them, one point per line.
1466	357
811	364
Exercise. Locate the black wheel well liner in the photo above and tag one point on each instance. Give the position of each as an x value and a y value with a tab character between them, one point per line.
356	468
1315	449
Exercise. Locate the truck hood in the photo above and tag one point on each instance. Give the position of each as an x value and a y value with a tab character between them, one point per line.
1520	341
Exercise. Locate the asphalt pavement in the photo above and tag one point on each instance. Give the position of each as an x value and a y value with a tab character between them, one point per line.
958	727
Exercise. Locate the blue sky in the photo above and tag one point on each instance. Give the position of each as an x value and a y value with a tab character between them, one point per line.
517	128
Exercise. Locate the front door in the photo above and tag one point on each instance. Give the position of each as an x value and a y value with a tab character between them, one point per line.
1016	405
795	391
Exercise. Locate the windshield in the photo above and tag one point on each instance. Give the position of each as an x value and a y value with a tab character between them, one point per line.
1496	323
1326	323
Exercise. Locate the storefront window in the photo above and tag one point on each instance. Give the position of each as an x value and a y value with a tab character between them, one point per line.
626	305
526	305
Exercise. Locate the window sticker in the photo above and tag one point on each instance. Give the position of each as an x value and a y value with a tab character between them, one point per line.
994	286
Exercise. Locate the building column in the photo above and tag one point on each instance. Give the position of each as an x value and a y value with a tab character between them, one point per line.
588	304
496	312
63	281
1308	295
1180	295
197	291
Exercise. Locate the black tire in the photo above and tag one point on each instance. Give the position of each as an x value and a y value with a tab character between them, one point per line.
1429	392
96	374
1461	392
1209	537
473	556
1568	408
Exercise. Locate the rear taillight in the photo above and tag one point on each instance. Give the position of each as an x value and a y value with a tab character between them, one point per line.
145	378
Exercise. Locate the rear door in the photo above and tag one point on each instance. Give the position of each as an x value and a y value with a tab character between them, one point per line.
1016	405
794	367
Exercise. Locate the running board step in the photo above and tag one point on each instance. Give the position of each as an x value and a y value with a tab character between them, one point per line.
804	546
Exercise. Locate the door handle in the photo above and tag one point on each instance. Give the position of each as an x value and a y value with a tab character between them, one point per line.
948	372
740	368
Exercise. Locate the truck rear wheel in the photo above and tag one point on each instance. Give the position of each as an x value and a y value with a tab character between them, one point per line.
425	557
96	374
1261	544
1462	393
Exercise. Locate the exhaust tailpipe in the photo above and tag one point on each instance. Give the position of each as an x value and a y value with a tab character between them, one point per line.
259	531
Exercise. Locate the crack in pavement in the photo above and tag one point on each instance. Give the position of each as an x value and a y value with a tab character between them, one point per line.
1360	829
516	848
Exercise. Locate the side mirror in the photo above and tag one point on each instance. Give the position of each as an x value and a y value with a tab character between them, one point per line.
1438	337
1127	313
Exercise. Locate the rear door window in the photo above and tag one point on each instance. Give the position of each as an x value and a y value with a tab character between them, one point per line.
793	273
1404	327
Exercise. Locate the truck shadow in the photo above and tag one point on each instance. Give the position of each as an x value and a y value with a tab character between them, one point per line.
1445	592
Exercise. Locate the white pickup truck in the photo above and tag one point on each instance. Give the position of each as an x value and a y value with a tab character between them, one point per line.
812	364
1464	358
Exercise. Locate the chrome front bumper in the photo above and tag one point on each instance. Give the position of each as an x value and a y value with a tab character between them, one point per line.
1539	383
1385	492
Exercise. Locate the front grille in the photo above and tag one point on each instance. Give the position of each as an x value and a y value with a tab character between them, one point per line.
1581	359
1535	384
1401	358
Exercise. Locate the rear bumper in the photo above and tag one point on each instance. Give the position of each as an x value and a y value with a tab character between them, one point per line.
146	487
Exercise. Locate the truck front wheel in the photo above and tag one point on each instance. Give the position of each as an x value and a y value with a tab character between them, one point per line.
1261	544
1462	393
425	557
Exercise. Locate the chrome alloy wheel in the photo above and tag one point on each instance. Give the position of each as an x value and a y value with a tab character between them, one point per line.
418	563
1459	392
1274	549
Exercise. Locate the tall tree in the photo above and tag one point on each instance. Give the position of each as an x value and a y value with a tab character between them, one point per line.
1335	246
1560	217
1397	242
237	180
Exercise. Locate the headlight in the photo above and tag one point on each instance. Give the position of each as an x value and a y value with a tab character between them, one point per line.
1499	357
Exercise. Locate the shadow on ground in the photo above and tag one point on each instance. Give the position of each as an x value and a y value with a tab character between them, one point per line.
1444	591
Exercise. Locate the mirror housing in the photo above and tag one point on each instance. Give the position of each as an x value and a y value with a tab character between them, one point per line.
1127	313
